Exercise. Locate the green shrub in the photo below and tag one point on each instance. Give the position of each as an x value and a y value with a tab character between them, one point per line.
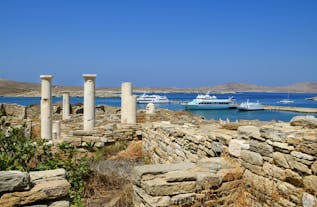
18	152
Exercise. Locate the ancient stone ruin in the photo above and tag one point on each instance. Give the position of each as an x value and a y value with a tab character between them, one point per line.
195	162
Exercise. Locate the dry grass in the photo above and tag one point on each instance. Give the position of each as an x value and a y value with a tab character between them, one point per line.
110	184
133	152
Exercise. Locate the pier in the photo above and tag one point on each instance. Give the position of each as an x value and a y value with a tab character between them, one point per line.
291	108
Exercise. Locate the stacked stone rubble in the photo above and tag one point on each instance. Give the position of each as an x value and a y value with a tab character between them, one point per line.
187	184
172	143
280	160
43	188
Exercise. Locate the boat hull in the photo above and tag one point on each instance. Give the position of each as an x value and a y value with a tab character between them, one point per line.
207	106
249	109
154	102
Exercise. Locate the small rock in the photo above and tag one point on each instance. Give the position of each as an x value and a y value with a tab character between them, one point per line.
305	121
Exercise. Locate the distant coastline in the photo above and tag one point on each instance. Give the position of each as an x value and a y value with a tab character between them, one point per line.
23	89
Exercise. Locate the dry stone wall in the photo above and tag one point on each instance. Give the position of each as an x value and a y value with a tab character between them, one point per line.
209	182
172	143
41	188
279	159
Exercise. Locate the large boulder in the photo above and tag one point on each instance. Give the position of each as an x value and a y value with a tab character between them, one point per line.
14	181
305	121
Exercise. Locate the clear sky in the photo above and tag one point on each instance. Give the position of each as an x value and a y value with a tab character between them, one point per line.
165	43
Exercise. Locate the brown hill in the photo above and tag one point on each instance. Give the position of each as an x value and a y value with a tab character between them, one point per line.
8	87
15	88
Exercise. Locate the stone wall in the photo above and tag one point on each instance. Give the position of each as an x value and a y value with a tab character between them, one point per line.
279	160
280	163
172	143
209	182
39	188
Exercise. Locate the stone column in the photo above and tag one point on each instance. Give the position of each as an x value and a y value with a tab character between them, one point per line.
131	110
57	129
89	101
46	106
66	107
126	92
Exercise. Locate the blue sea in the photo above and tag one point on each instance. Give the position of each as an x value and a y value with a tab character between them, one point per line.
231	114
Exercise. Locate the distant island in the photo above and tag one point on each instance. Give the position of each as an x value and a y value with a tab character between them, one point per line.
15	88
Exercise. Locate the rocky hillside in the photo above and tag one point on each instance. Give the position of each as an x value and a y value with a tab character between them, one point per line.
14	88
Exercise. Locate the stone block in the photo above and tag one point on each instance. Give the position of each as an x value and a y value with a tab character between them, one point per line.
273	171
183	198
139	171
309	200
301	155
46	175
281	146
235	147
310	183
152	201
305	121
293	178
280	159
252	157
272	133
249	132
41	191
261	147
160	187
14	181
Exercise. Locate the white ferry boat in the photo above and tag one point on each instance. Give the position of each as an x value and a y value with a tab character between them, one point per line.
206	101
250	106
156	99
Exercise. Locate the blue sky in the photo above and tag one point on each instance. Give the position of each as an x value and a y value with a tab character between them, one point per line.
164	43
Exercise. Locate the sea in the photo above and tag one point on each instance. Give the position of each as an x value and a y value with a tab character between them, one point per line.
224	114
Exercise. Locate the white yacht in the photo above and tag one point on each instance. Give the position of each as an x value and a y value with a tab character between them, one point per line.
250	106
287	100
205	101
144	99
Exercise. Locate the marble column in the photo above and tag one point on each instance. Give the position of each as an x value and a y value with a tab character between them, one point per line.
66	106
46	106
57	129
126	92
131	110
89	101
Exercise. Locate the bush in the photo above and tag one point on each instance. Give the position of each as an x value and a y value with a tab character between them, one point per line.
18	152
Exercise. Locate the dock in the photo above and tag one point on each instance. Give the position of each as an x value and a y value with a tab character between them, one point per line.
291	108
